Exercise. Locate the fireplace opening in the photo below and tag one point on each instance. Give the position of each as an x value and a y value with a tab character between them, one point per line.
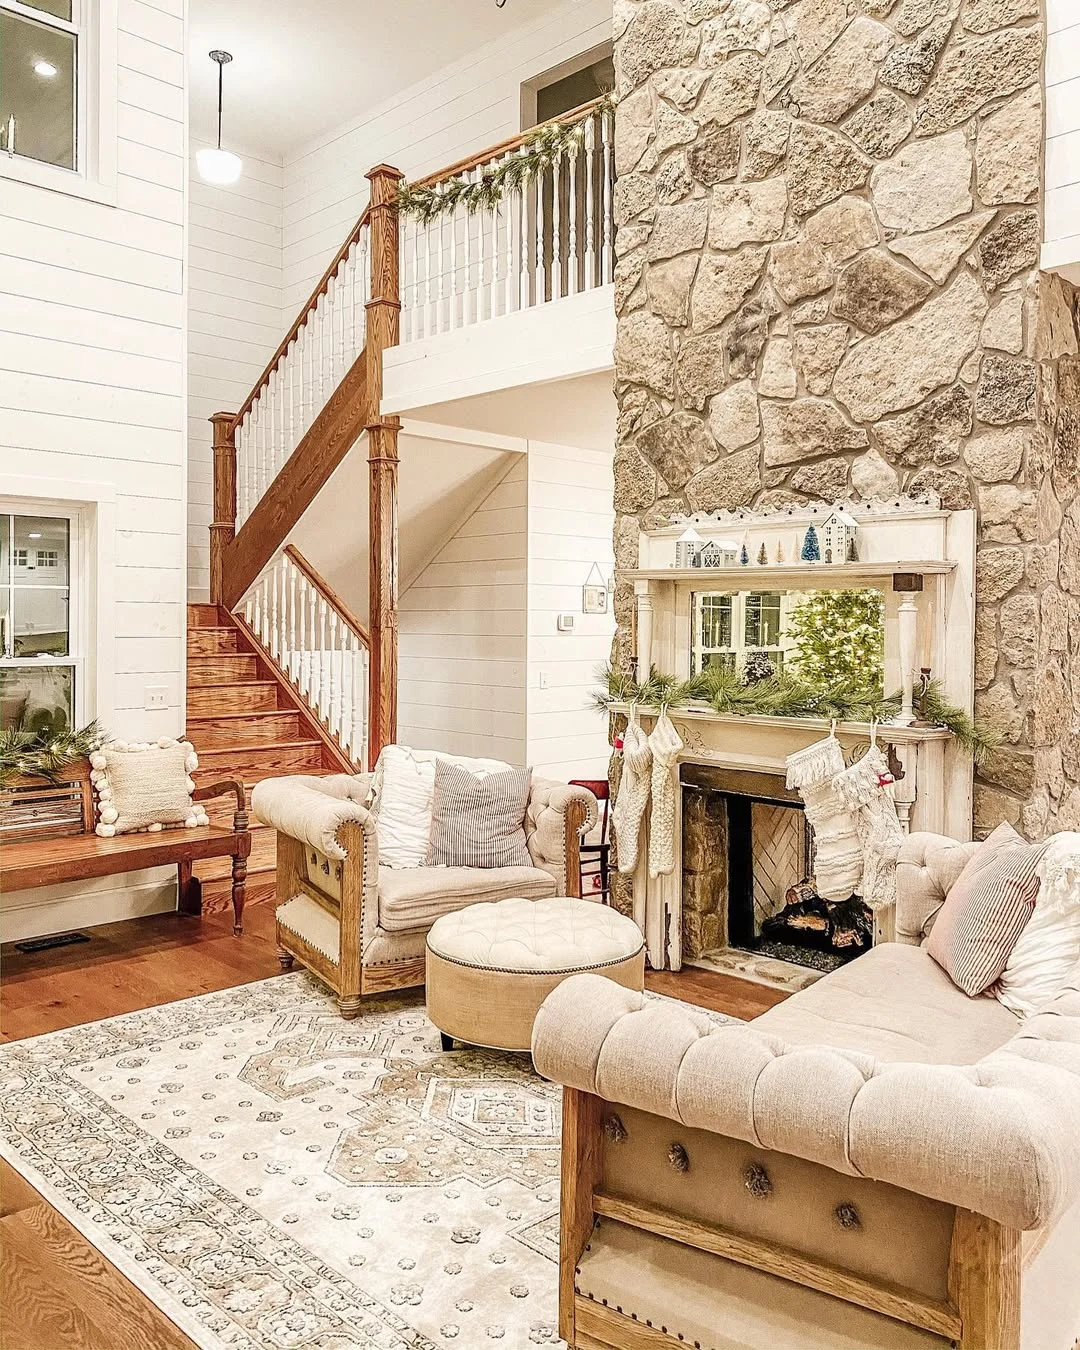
747	878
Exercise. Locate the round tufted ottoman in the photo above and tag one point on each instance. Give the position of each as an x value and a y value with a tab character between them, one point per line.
490	966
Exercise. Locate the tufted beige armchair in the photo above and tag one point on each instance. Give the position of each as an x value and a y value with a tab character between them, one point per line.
879	1161
361	927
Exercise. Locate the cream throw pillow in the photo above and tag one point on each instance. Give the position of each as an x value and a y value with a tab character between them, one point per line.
1047	952
404	794
145	786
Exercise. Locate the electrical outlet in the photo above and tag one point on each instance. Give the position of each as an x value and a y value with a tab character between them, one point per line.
543	679
156	695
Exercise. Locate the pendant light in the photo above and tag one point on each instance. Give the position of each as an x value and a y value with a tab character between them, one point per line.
216	165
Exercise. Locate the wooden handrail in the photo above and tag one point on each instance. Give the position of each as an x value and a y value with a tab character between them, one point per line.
301	318
328	594
504	147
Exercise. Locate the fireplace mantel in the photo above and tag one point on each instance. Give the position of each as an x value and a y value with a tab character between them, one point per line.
921	557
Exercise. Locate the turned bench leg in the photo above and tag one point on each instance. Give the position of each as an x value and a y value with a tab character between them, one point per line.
239	877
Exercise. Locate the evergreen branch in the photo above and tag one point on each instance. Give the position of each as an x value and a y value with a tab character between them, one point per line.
44	753
545	146
788	695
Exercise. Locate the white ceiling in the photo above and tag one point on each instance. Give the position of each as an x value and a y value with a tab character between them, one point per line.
300	69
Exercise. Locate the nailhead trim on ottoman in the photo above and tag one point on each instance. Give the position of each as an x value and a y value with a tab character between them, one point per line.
491	965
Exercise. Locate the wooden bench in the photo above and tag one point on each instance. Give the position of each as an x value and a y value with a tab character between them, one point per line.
47	837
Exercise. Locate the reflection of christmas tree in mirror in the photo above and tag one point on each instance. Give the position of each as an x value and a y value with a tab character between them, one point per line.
838	635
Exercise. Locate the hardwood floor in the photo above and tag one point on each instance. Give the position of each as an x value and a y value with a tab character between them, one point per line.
58	1290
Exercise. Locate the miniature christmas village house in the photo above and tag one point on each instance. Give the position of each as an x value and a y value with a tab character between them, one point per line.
719	553
688	549
838	537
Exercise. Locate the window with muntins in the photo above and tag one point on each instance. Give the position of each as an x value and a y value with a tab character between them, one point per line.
40	668
41	81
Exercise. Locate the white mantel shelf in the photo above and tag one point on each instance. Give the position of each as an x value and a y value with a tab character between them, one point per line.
793	572
894	735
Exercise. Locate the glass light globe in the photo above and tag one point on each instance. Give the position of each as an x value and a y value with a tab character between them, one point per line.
218	166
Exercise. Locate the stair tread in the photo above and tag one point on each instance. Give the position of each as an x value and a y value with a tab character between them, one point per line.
245	747
237	716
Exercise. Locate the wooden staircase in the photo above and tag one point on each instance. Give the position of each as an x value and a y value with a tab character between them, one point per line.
246	721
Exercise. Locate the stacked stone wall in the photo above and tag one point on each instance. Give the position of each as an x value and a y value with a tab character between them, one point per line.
827	285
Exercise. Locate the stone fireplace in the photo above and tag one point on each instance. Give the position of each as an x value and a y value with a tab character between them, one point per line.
827	285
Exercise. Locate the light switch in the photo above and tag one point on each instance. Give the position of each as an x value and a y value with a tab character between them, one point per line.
156	695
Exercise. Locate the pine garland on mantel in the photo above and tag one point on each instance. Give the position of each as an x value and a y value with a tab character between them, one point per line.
785	695
43	752
544	146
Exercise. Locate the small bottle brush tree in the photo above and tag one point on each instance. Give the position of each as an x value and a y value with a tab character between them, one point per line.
762	556
744	556
839	636
811	548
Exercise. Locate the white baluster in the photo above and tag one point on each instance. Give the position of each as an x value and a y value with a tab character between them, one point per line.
324	703
451	314
290	362
294	650
429	277
607	256
590	204
540	288
523	244
571	224
556	229
284	651
274	632
302	675
511	270
468	295
356	724
333	697
418	327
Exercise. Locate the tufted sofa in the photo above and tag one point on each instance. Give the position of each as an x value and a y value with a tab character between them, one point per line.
879	1161
361	927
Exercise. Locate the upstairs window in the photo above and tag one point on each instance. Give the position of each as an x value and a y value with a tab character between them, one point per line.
41	80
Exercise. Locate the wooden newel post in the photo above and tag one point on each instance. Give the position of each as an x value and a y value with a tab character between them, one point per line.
383	324
223	528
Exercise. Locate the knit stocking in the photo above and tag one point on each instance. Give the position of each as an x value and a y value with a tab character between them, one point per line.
633	795
665	743
838	856
867	789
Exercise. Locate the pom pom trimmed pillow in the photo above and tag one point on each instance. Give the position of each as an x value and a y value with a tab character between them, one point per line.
145	786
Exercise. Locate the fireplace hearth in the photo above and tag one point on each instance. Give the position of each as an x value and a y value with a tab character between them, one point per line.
747	885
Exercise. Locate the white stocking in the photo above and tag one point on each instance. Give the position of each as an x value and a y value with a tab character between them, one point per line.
867	789
838	855
633	795
665	743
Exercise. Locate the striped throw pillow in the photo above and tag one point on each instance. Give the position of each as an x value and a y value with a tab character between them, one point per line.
974	935
479	822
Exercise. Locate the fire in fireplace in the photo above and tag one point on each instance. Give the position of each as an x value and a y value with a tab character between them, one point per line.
747	883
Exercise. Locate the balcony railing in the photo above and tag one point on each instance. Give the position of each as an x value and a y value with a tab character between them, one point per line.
553	236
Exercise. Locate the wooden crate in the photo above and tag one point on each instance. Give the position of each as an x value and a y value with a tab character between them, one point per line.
34	808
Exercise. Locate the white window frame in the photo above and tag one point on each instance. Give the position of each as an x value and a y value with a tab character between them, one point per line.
95	172
95	506
77	602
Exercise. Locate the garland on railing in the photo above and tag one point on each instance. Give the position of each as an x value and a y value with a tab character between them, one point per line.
785	695
42	752
543	147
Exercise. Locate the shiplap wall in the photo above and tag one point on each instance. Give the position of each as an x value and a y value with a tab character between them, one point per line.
92	390
92	353
571	518
465	107
1063	127
462	634
235	320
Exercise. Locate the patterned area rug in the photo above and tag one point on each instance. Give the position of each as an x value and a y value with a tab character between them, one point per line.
273	1176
